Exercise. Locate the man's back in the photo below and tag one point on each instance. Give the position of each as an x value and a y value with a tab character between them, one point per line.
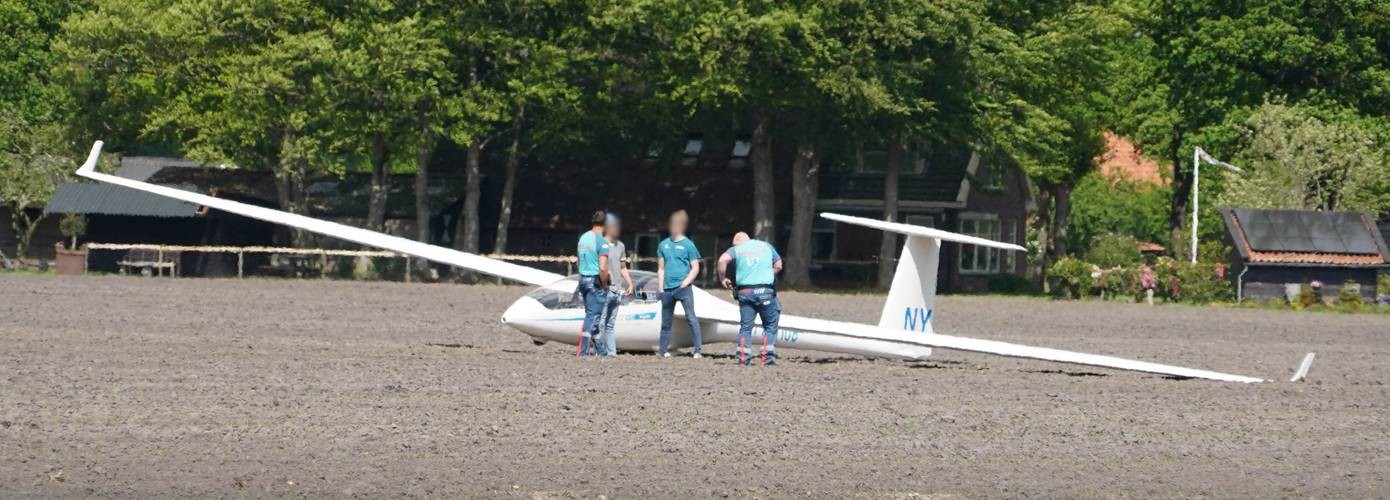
754	263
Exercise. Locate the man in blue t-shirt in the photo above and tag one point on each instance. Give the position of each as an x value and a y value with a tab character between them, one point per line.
593	281
756	264
677	265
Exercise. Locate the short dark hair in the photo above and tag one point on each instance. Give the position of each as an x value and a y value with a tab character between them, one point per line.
600	217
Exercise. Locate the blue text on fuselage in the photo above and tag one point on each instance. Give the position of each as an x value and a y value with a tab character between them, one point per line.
916	319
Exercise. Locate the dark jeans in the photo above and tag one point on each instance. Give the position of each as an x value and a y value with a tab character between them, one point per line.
761	302
669	298
595	298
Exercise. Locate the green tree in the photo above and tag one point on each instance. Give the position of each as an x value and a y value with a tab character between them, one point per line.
1135	209
1304	158
34	154
33	162
1045	94
1209	59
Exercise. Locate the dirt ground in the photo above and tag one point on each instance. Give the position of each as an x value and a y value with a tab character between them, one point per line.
141	387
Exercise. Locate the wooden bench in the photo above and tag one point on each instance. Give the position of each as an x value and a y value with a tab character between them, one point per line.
150	262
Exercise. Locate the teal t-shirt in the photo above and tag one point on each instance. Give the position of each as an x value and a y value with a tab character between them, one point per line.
678	255
753	261
591	246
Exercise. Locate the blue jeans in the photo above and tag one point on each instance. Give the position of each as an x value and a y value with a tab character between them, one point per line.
669	298
595	298
760	301
610	316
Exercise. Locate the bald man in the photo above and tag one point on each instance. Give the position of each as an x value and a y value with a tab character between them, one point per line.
756	264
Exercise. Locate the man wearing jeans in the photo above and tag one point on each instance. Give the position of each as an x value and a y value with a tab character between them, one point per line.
619	281
677	265
756	264
593	275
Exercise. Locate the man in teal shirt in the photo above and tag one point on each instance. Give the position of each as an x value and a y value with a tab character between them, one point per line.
756	264
677	265
593	274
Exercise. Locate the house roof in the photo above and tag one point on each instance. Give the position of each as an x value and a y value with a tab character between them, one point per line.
1122	160
108	199
1306	238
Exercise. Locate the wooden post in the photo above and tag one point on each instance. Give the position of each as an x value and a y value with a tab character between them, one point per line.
407	268
159	264
240	263
323	265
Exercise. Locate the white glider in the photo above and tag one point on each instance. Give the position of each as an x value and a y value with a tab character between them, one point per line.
551	312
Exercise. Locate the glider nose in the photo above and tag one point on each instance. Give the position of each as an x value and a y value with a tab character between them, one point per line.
520	310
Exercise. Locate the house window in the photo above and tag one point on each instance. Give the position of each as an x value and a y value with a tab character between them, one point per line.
984	260
694	144
873	159
738	158
989	177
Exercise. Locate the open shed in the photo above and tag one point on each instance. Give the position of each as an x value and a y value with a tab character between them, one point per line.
1274	248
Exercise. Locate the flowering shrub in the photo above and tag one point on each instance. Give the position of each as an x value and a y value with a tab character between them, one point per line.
1120	282
1074	276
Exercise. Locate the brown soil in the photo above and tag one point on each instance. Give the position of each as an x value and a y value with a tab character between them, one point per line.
179	387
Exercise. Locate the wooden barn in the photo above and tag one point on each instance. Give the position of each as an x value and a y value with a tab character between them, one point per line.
1275	248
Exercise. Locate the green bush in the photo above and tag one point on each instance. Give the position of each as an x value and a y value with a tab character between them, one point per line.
1136	209
1213	252
1200	283
1114	250
1121	283
1383	284
1307	297
1011	284
73	226
1166	277
1349	298
1074	276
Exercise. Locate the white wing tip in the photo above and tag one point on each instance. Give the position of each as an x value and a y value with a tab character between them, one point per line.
91	164
898	227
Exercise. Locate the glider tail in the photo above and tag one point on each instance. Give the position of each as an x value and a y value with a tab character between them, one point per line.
911	300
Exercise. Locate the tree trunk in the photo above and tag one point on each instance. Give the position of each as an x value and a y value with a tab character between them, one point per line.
1044	225
423	151
805	183
504	214
1061	218
764	194
467	237
1182	186
888	248
376	200
299	194
23	227
289	187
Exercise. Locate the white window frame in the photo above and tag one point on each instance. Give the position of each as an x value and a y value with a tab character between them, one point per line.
990	256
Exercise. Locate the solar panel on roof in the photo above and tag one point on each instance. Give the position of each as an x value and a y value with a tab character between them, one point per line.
1293	231
1306	231
1257	230
1363	239
1325	234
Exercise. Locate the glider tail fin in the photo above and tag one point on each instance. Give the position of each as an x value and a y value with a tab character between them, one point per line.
911	301
912	297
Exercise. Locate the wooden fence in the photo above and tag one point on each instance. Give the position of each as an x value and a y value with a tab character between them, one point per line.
707	274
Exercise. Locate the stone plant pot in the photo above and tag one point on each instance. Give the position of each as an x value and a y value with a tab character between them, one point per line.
71	262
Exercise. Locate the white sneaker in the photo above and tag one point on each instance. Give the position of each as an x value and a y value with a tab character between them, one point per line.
697	356
665	354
